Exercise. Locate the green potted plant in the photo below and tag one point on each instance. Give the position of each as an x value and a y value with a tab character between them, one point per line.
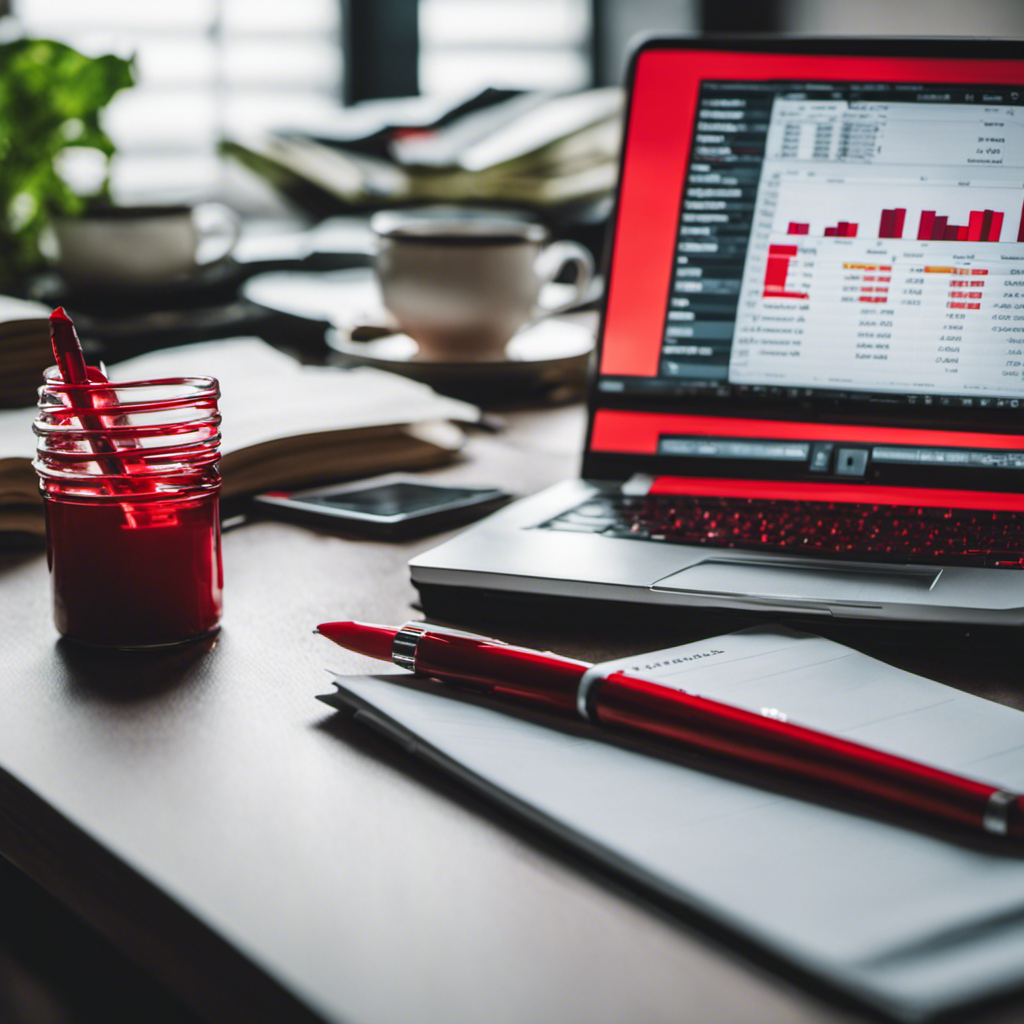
51	97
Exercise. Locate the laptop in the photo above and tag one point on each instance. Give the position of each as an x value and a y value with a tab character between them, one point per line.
809	386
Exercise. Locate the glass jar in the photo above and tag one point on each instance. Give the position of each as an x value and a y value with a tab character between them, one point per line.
129	477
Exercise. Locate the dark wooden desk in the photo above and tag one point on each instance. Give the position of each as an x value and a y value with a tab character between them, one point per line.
269	862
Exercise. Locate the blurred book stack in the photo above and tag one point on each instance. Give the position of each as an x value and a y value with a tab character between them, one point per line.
537	150
24	350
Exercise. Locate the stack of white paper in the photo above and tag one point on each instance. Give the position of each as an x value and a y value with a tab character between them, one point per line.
908	922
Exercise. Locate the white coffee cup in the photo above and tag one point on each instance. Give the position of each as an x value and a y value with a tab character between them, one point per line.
462	286
142	245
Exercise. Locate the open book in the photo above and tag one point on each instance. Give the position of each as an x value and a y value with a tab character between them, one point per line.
284	424
24	349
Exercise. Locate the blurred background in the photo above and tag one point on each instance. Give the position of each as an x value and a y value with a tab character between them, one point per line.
210	68
303	116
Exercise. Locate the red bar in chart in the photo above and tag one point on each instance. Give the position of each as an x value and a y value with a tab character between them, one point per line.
777	271
891	224
796	228
1020	230
981	226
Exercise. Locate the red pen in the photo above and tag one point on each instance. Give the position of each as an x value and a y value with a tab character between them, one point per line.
620	701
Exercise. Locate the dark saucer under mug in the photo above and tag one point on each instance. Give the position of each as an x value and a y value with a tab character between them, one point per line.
210	284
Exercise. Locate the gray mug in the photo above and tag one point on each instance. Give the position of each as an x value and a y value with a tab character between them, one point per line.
143	245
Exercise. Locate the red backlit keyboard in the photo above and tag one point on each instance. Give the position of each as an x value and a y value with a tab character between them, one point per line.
890	533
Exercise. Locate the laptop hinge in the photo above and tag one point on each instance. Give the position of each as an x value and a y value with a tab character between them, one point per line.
638	485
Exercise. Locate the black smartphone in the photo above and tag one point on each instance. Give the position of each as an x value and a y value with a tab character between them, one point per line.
392	506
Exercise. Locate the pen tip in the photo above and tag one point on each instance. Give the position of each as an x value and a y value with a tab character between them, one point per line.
362	637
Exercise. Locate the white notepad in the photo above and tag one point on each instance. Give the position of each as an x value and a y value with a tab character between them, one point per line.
908	922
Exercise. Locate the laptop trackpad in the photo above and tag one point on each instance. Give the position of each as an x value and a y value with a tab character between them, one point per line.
796	580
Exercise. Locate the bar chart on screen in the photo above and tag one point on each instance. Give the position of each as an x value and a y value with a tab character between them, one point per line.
982	226
856	206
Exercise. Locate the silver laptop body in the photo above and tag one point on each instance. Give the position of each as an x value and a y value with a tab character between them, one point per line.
812	301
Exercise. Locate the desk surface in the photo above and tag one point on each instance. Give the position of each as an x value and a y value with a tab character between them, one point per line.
285	865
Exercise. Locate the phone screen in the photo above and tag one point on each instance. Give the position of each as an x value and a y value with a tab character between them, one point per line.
398	498
391	507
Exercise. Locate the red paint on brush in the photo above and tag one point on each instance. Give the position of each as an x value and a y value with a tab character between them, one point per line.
67	349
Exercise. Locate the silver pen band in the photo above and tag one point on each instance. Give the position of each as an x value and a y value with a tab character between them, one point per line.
403	647
586	691
997	812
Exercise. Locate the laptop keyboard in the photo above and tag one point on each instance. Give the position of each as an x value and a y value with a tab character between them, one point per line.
888	533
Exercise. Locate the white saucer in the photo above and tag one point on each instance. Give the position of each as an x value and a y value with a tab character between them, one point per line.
340	297
548	358
544	355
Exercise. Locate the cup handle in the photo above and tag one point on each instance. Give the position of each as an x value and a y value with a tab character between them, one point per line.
553	260
218	229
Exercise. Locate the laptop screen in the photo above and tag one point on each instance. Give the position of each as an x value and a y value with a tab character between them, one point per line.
817	272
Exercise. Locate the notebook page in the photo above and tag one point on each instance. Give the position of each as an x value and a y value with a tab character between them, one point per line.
266	395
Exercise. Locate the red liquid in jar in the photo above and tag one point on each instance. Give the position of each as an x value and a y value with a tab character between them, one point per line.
135	574
128	472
